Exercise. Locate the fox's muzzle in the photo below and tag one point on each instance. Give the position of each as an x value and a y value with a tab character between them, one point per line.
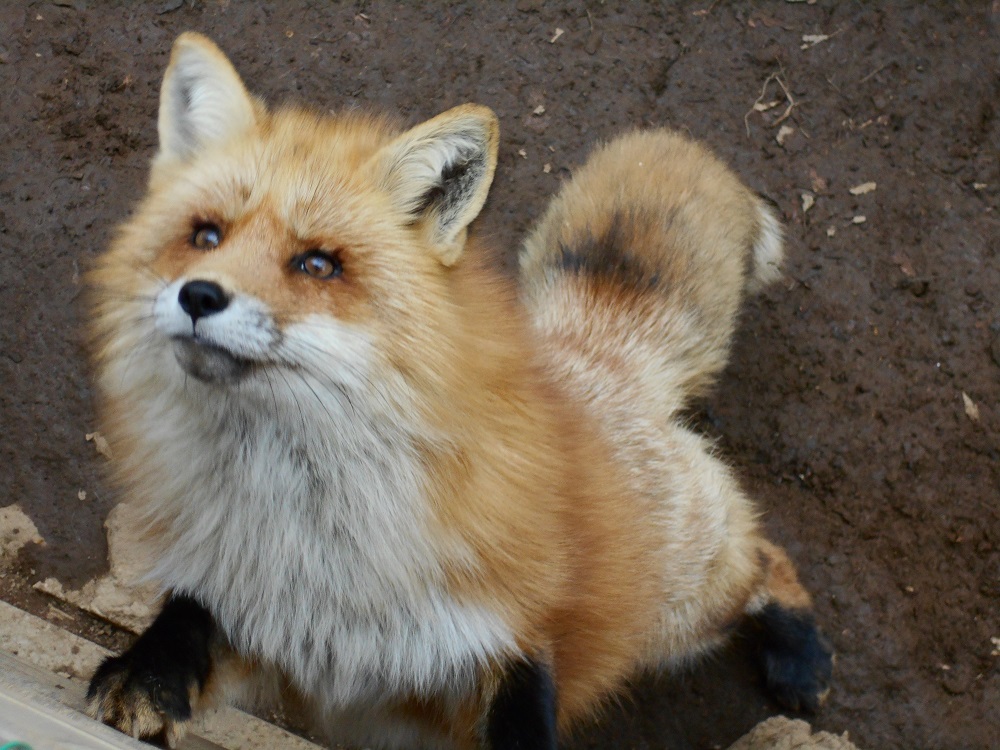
207	362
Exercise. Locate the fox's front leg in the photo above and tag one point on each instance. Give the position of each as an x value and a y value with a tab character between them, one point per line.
150	690
523	712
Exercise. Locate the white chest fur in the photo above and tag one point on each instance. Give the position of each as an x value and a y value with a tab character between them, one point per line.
308	541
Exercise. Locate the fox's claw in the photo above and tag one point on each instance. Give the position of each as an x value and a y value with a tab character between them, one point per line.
133	697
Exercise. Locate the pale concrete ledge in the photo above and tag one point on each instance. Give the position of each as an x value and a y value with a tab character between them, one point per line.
43	673
41	710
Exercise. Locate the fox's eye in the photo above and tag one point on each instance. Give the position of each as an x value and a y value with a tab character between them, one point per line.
206	237
319	264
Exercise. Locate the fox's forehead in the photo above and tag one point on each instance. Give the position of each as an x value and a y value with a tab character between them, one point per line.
299	138
306	171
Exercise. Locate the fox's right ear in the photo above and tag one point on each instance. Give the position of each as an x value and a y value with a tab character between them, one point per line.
438	174
202	99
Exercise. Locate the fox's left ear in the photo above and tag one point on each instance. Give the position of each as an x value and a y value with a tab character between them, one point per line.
202	100
439	173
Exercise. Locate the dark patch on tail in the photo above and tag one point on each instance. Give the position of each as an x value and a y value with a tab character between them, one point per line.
609	255
796	658
523	714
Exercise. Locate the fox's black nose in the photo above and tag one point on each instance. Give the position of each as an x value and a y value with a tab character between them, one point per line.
199	299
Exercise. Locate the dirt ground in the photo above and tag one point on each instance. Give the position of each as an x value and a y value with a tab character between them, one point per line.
861	405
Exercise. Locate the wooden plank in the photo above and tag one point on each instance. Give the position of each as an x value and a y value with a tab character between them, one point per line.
53	665
45	724
43	710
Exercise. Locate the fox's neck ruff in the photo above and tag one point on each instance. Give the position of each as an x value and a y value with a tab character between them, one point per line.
307	533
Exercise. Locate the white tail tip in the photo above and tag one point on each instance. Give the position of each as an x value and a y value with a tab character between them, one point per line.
768	250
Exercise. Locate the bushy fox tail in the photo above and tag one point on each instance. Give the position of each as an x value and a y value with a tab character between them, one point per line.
640	264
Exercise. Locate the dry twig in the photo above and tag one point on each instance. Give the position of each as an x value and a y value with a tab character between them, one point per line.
792	104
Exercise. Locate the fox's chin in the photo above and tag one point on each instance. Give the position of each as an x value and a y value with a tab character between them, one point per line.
209	363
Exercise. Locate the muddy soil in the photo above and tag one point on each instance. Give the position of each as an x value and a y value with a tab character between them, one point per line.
861	405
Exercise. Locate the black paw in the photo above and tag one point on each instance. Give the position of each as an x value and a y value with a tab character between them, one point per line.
796	658
132	694
148	691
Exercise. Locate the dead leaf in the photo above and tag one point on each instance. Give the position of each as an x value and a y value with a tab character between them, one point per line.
54	611
522	153
765	106
807	202
811	40
783	132
819	184
863	188
100	443
770	21
904	263
539	110
547	168
971	408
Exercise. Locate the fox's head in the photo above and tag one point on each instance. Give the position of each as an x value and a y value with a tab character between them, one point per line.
282	244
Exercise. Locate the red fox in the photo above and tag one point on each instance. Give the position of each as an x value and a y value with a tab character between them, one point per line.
433	506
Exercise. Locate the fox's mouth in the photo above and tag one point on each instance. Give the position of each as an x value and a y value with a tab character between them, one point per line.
209	362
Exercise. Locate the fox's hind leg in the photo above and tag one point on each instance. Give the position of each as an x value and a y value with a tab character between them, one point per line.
795	657
718	571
